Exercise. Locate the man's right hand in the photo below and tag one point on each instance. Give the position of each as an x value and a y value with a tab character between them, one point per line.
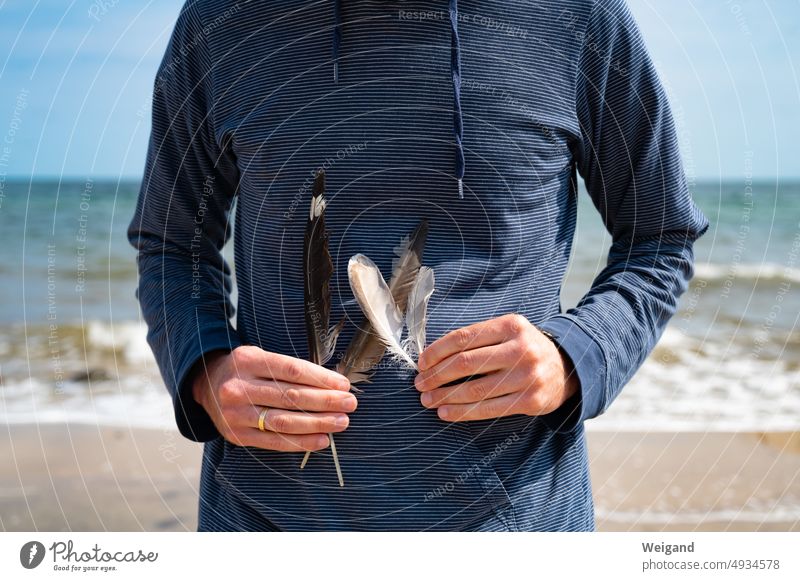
305	401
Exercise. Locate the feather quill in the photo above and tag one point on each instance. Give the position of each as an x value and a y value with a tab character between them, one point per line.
317	272
366	348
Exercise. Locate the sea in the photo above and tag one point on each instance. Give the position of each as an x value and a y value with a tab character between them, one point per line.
73	348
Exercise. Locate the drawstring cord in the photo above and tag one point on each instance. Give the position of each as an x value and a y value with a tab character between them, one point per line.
458	121
455	70
337	37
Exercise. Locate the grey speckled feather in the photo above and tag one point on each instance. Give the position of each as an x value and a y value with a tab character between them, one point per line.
417	312
366	349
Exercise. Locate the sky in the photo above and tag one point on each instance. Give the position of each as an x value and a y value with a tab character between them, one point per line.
76	78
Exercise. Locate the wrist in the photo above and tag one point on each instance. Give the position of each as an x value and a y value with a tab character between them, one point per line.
571	381
204	372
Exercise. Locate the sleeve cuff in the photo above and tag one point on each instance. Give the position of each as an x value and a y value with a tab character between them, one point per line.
192	420
588	361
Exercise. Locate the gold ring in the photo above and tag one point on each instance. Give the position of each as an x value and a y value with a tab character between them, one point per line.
261	417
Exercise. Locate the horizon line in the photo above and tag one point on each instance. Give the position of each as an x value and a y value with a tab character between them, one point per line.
138	178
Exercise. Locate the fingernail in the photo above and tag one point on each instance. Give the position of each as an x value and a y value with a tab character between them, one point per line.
427	399
418	381
323	442
342	421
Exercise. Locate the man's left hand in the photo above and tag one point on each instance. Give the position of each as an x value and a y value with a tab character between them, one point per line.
521	372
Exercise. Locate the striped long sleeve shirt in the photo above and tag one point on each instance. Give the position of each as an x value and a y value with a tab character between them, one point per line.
480	116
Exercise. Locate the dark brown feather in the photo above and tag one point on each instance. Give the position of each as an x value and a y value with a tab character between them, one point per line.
317	273
318	270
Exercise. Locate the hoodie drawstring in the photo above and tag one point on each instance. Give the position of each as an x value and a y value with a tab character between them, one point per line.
337	37
455	71
458	121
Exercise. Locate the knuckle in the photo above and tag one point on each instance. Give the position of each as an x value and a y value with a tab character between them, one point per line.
289	397
515	323
490	410
464	338
238	354
244	354
330	402
481	390
228	393
519	349
292	371
280	423
463	362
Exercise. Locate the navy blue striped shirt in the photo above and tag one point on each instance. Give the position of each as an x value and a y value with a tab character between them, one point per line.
246	109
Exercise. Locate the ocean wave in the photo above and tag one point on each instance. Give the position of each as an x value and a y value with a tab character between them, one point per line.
127	338
774	514
135	402
689	383
715	272
118	343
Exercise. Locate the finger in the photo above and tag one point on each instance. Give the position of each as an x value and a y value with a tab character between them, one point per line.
280	394
496	407
289	422
284	442
486	387
464	364
481	334
294	370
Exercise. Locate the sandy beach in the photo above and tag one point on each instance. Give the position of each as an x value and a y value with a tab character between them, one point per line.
63	477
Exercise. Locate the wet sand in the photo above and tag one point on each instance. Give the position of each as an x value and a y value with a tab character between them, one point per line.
73	477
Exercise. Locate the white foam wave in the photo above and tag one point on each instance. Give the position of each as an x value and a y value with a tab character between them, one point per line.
127	338
788	513
713	272
135	402
689	385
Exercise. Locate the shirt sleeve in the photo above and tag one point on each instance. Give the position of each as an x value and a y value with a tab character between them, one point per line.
181	224
629	159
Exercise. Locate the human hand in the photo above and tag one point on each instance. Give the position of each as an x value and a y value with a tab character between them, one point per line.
522	372
305	401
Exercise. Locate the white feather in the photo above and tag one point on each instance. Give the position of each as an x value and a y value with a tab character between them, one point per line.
373	296
417	311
